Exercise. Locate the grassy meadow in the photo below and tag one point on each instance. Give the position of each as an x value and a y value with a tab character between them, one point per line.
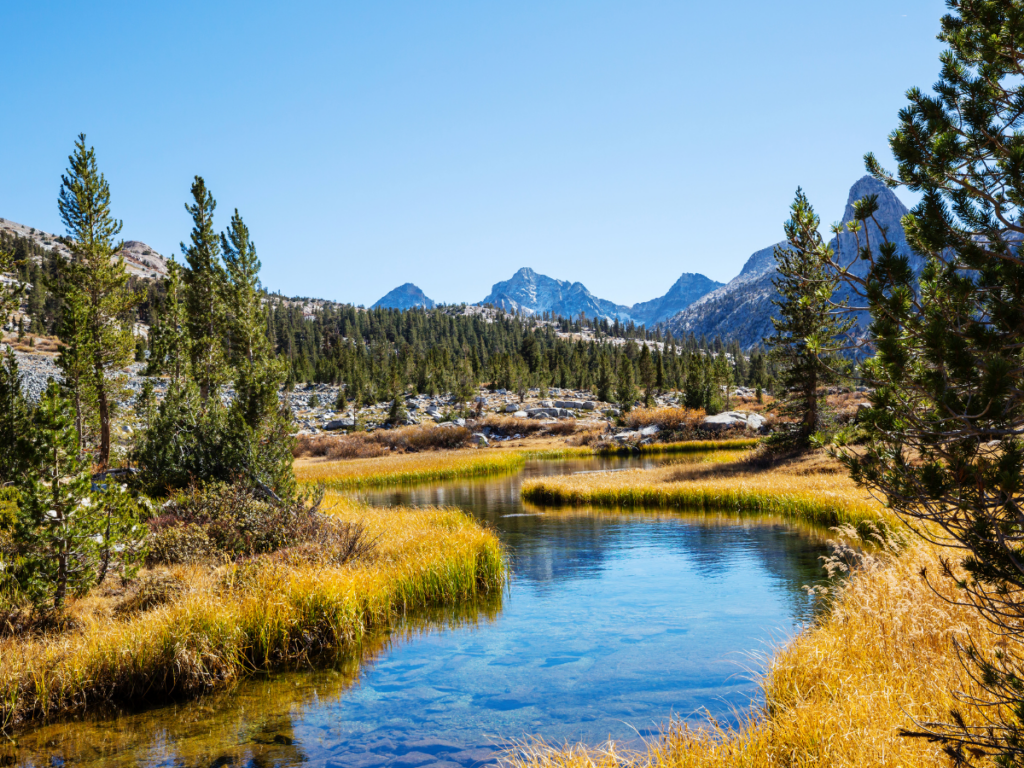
815	490
437	466
249	615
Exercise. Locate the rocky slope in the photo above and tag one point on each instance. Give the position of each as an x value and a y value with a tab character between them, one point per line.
406	296
687	289
139	258
742	309
530	293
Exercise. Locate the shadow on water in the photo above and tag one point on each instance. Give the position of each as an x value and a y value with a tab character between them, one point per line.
614	621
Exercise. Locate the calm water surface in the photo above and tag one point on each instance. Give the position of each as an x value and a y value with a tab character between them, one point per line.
612	623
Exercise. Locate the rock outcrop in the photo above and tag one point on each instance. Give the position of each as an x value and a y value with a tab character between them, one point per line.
139	258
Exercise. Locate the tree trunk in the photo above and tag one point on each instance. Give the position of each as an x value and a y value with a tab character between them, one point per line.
104	408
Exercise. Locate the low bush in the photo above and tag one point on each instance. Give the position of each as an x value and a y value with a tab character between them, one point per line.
231	521
369	445
669	419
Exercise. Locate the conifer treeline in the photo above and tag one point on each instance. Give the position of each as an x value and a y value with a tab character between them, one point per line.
378	352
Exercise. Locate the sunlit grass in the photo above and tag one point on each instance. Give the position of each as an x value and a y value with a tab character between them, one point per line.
824	499
687	446
240	618
354	474
440	466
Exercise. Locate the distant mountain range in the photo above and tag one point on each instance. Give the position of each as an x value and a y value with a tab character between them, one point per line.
530	293
739	310
742	309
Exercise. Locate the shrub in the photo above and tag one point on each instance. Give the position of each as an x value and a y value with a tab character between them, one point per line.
150	591
671	419
231	520
177	542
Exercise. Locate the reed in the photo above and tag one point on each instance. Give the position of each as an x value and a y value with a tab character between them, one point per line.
252	615
880	660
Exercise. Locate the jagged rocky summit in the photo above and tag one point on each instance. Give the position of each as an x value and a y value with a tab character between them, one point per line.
406	296
742	309
529	293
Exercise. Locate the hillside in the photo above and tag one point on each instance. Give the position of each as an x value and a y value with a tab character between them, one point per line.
139	258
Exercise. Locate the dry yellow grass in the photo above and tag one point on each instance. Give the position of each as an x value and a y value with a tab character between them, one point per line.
408	468
399	469
817	493
243	617
838	694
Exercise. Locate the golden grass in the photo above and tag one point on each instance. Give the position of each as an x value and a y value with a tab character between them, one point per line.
838	694
409	468
685	446
666	418
828	498
240	618
403	469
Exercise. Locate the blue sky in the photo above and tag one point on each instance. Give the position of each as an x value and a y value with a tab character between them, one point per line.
450	143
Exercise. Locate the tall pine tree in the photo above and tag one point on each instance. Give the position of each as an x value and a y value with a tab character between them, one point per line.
808	328
96	282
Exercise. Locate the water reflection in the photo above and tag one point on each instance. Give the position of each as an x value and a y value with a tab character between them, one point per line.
613	621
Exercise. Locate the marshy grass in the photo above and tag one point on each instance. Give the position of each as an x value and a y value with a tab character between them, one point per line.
879	660
385	471
409	469
822	498
685	446
251	615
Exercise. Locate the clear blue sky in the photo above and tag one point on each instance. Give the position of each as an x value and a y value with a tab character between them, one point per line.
449	143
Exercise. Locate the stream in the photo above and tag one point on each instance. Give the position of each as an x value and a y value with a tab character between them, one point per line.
613	623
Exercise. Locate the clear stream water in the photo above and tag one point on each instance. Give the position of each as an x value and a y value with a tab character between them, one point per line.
613	623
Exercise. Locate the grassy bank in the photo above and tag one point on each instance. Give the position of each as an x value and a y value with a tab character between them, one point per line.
438	466
250	615
821	497
687	446
839	693
409	468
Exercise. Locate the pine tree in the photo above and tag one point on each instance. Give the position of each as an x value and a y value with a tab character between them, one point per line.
258	376
648	375
96	280
944	431
58	520
808	328
14	421
204	295
625	389
397	414
169	339
605	380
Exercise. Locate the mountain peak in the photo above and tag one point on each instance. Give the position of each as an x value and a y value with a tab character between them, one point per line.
405	296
